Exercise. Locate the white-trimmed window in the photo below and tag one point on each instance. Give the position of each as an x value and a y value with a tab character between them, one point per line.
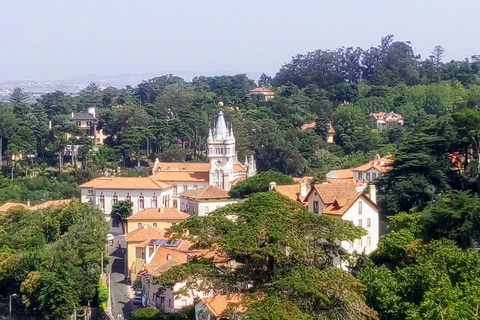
360	207
143	256
155	224
360	176
315	206
359	243
174	190
154	201
141	202
206	209
139	225
114	199
102	202
369	241
90	191
185	187
368	176
368	222
359	222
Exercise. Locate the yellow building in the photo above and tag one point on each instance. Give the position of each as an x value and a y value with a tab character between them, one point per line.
136	241
161	218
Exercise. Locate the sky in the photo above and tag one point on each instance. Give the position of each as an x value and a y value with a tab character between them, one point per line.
54	39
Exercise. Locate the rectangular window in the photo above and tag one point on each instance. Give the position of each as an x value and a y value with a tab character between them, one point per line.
374	175
155	224
174	190
170	303
359	222
315	206
195	187
351	244
174	223
206	209
175	203
139	225
360	205
369	241
143	256
359	243
218	207
368	176
368	222
185	187
360	176
90	191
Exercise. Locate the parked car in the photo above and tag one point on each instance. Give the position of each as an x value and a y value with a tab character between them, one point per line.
138	292
137	300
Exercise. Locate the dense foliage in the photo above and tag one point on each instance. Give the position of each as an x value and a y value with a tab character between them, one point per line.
52	257
258	183
286	259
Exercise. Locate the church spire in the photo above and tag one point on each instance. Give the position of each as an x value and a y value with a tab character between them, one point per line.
220	132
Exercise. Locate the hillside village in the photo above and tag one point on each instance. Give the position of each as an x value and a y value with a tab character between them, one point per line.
316	194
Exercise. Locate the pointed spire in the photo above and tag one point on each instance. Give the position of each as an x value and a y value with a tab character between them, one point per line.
210	134
220	132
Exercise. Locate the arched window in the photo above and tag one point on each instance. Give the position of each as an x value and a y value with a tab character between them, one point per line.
141	202
102	202
114	199
154	202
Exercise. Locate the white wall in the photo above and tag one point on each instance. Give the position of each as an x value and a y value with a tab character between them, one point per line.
366	175
198	207
93	197
369	211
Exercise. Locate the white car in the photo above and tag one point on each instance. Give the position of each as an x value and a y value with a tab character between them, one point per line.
110	237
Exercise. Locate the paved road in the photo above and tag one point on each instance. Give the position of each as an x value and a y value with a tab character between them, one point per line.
121	292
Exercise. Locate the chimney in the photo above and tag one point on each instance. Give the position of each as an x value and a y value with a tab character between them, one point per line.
272	185
169	257
161	209
373	193
303	189
72	115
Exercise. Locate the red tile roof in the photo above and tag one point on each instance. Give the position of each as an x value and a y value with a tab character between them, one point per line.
342	173
50	204
159	214
310	125
145	233
182	167
207	192
8	205
380	164
216	305
262	90
292	191
142	183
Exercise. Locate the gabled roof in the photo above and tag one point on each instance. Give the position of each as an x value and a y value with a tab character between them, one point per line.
340	174
145	233
165	258
262	90
292	191
216	305
380	164
177	176
304	179
142	183
182	167
8	205
50	204
309	125
207	192
386	116
159	214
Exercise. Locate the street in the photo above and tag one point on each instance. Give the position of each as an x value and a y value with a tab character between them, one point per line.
121	292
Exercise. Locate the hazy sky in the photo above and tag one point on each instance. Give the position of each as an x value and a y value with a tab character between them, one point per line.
61	38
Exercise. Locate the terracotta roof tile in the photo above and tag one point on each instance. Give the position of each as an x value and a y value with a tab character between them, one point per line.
262	90
182	167
141	183
147	232
159	214
207	192
8	205
292	191
199	176
310	125
50	204
304	179
219	303
381	164
239	167
341	174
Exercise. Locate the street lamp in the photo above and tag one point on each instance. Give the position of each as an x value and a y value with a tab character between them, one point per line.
15	296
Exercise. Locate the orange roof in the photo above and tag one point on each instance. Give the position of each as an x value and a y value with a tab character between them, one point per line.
216	305
182	167
309	125
239	167
380	164
50	204
8	205
356	183
262	90
290	190
165	258
341	174
234	182
304	179
330	128
141	183
159	214
147	232
390	116
207	192
198	176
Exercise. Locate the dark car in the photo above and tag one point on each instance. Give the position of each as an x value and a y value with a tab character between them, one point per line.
137	300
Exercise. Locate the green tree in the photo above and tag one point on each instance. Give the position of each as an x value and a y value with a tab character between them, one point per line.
258	183
285	252
120	211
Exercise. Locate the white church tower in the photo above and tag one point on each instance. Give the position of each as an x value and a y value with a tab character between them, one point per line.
221	153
